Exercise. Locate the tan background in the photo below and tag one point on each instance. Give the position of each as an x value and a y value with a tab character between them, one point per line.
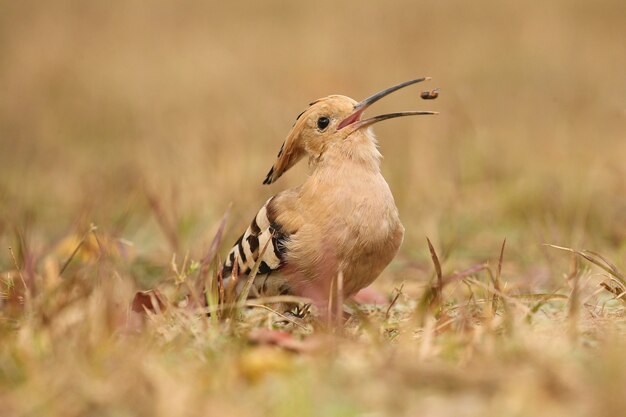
191	100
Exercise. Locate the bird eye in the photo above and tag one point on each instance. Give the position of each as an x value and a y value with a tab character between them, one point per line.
323	122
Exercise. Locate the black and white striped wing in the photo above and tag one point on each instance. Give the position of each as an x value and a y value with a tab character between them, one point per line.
249	246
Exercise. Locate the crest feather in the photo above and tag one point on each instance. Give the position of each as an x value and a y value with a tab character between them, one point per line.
291	151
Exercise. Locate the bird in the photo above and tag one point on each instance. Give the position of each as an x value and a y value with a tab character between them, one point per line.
342	221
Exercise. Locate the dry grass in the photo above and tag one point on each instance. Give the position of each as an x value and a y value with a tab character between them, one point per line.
127	130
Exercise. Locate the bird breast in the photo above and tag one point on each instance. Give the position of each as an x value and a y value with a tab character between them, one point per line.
353	214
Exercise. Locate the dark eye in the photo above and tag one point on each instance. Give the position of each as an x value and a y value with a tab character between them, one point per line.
322	122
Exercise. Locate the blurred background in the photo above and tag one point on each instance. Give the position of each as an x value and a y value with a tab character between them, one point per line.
151	119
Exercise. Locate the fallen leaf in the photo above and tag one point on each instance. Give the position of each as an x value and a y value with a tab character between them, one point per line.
150	300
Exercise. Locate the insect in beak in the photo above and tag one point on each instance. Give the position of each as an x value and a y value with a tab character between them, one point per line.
354	119
430	95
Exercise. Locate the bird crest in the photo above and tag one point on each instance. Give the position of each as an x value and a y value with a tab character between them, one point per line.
329	120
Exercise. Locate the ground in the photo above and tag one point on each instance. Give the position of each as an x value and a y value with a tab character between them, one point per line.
128	131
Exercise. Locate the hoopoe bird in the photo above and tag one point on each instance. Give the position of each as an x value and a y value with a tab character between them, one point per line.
342	221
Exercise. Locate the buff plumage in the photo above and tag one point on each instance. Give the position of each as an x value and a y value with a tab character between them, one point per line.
341	221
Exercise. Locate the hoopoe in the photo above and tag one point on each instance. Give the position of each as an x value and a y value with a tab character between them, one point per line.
342	221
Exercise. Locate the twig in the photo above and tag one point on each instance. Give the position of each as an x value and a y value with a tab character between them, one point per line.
395	299
289	319
282	299
439	287
92	228
19	273
596	259
496	282
166	226
243	296
494	291
215	244
339	306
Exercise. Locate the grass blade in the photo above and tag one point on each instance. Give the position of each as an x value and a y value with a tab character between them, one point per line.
595	259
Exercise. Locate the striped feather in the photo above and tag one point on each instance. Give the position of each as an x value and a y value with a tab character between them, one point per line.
245	252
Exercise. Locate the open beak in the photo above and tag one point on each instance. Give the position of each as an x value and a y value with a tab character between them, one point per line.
354	120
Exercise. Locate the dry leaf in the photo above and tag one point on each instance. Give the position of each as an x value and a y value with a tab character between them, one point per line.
150	300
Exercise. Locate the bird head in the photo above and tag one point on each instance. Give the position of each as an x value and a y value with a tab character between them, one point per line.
330	120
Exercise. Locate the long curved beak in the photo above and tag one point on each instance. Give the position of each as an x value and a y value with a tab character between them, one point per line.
355	121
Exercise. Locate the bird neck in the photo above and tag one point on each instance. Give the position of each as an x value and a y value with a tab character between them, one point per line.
360	149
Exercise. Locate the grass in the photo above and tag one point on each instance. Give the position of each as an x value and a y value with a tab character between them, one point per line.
77	348
127	132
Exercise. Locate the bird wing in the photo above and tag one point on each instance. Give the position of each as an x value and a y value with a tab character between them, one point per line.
268	225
